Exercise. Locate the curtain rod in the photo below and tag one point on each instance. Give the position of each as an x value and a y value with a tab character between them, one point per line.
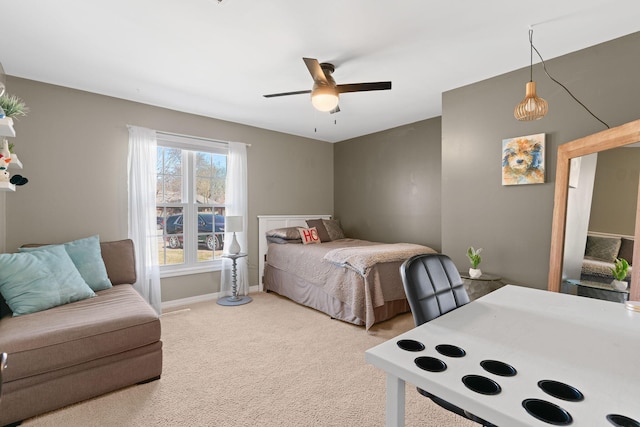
201	138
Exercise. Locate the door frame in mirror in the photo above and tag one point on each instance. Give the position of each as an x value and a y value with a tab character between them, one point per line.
611	138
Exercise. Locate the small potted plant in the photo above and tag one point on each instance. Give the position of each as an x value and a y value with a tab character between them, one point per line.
474	257
619	272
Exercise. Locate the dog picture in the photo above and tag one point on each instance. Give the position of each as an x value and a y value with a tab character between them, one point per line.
523	160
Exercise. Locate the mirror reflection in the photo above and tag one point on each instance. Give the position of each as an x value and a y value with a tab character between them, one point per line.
600	225
620	136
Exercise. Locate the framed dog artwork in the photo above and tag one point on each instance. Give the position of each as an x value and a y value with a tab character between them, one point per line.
523	160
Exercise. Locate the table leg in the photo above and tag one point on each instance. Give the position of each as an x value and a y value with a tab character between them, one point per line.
234	282
395	401
234	299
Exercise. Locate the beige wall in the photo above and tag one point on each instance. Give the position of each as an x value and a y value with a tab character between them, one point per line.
387	185
429	182
74	148
513	224
376	174
615	193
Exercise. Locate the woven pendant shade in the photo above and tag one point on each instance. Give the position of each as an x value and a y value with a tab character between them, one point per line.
532	107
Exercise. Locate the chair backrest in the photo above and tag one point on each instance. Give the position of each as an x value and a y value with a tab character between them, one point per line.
433	286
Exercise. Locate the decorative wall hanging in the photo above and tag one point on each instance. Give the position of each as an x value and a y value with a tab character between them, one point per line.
523	160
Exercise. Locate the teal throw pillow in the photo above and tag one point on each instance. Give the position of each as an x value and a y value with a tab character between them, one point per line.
26	284
37	280
87	257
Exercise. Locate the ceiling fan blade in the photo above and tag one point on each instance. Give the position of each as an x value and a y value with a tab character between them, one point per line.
299	92
316	71
363	87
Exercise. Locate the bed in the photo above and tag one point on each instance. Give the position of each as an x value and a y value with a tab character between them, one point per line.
353	280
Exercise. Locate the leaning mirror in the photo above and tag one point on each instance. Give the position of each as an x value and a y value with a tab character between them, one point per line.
567	154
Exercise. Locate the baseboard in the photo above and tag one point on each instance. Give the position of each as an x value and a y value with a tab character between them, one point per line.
171	304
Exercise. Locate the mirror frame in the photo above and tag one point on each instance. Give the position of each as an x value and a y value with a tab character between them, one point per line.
611	138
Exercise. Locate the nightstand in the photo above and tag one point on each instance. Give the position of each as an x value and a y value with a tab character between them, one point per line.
482	285
234	299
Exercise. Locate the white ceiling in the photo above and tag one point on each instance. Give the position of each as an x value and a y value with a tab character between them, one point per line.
218	59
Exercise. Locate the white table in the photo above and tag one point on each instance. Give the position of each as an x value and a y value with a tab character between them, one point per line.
590	344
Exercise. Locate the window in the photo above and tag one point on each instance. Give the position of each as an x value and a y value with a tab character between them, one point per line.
190	203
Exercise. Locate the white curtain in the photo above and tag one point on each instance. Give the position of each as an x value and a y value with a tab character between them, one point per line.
236	205
142	212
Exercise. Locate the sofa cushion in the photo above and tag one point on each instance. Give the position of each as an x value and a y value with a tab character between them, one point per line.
86	256
25	283
38	280
116	320
626	250
119	260
603	248
118	257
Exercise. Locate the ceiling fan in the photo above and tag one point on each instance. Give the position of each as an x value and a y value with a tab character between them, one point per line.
325	92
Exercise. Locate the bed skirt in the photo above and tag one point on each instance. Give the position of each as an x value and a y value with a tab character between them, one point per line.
309	295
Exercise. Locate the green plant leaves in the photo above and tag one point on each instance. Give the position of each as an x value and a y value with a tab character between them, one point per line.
13	106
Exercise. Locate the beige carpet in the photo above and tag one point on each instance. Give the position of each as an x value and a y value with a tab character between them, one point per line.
268	363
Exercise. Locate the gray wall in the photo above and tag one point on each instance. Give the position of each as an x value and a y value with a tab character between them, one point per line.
428	182
615	194
74	148
387	185
513	224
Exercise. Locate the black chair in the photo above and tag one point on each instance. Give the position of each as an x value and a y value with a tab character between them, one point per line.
433	287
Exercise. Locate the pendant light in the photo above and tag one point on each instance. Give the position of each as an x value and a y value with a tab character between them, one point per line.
532	106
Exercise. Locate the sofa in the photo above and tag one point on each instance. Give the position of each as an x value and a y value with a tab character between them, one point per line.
78	350
601	252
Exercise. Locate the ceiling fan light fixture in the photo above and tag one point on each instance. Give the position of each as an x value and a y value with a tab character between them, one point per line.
324	98
532	106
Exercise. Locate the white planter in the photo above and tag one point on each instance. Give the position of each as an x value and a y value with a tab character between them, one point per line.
620	285
475	273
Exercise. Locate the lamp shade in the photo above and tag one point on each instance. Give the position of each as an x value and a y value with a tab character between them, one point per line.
324	98
233	223
532	107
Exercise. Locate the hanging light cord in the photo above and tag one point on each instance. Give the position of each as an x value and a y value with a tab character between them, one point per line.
544	66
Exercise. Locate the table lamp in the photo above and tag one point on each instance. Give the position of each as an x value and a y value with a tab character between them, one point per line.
233	224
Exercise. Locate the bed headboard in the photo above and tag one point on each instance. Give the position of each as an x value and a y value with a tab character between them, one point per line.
269	222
